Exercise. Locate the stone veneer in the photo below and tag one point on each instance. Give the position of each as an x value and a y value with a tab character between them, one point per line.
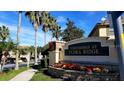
60	73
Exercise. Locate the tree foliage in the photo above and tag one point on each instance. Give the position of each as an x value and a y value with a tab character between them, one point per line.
9	45
23	51
4	33
71	32
6	42
57	33
33	17
55	28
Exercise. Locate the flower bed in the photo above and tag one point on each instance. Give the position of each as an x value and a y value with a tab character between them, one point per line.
73	75
77	67
78	72
62	73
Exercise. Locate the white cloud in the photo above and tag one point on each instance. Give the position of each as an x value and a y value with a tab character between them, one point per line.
61	19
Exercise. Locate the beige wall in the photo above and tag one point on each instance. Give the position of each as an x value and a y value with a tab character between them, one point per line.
104	42
60	45
57	55
53	57
103	32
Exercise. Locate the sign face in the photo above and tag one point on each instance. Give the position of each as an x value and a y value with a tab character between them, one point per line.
87	49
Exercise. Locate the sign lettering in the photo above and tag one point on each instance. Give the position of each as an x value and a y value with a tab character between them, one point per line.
87	49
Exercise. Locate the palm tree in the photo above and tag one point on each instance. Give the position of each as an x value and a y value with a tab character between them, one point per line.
37	19
47	22
57	32
54	27
44	22
52	24
17	39
33	16
4	34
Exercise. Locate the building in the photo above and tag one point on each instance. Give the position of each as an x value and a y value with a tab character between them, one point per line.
53	52
97	48
102	30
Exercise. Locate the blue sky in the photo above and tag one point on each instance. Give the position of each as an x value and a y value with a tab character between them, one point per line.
83	19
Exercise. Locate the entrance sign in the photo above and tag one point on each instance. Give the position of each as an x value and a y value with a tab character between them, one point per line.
92	49
87	49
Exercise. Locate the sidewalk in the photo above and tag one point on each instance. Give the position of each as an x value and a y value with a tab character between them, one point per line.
24	76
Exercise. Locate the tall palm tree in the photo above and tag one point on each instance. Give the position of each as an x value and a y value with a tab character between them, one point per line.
33	16
47	22
44	22
17	38
54	27
52	24
4	34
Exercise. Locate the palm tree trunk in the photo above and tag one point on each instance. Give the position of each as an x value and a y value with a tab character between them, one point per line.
28	59
18	30
57	39
44	38
36	48
52	35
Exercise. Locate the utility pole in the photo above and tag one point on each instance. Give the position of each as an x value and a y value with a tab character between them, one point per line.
17	38
116	23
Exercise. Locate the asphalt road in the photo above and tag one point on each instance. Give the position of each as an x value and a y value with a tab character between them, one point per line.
10	66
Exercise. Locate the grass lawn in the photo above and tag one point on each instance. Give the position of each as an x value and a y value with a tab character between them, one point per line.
5	76
40	76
